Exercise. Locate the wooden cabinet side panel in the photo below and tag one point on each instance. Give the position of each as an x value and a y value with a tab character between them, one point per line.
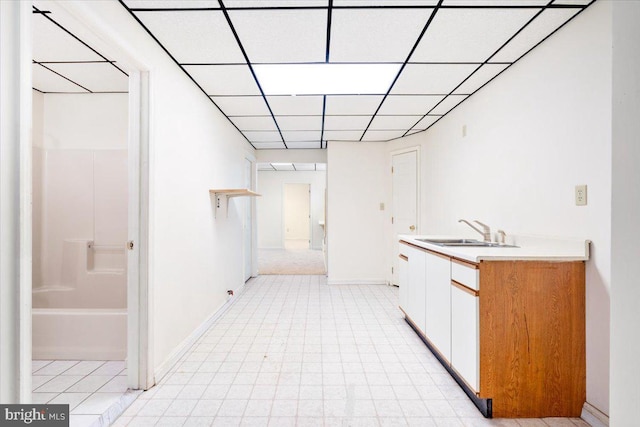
532	338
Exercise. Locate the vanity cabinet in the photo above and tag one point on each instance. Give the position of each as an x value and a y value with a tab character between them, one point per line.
510	332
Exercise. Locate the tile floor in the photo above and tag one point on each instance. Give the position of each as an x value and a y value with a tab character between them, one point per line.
89	387
294	351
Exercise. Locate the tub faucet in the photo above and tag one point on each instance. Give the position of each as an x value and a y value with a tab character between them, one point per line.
486	231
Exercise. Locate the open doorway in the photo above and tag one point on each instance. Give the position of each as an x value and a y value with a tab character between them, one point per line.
291	218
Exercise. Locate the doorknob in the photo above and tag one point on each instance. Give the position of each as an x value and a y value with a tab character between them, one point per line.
412	228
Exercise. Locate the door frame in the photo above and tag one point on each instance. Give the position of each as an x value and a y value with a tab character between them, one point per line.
284	206
393	244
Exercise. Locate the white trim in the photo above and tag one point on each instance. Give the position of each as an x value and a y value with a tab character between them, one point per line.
593	416
182	348
358	282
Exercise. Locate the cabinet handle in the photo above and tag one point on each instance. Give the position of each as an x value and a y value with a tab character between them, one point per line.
465	288
412	227
404	257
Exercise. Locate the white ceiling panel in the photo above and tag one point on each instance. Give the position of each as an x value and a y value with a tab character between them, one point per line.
321	166
265	167
295	105
353	105
194	36
426	122
382	135
301	135
542	26
268	145
342	135
242	105
358	123
495	2
409	104
264	123
306	166
275	3
48	81
449	102
283	166
224	79
480	77
282	35
469	35
287	123
375	35
394	122
431	78
303	144
51	43
263	136
385	2
170	4
573	2
95	76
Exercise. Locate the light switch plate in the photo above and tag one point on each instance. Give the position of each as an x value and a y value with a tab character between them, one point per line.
581	195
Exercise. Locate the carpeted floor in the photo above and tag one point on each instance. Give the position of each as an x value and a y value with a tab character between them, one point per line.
290	261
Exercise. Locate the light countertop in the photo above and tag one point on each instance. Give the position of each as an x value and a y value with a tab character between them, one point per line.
530	248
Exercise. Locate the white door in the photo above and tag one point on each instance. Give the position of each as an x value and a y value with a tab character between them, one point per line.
247	245
297	215
405	200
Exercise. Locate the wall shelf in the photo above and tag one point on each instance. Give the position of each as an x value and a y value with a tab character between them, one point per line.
231	192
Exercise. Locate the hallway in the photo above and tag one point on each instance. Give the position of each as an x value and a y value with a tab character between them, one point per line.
293	350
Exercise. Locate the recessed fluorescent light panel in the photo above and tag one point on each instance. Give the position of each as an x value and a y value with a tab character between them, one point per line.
326	79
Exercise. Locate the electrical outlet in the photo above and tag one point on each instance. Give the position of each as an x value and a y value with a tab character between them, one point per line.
581	195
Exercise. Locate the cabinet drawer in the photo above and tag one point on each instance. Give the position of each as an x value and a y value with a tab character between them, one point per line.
465	273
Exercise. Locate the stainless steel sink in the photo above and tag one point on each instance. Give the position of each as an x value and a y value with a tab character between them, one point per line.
465	242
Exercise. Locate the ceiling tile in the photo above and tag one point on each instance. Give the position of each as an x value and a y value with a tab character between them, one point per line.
342	135
263	123
431	78
426	122
283	166
352	105
321	166
296	105
495	2
409	104
448	104
268	145
275	3
306	166
287	123
51	43
382	135
358	123
375	35
242	105
48	81
170	4
194	36
95	76
263	136
304	144
573	2
542	26
282	35
394	122
469	35
378	3
479	78
265	167
224	79
301	135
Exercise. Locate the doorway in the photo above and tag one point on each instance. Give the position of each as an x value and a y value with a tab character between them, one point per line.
297	217
404	177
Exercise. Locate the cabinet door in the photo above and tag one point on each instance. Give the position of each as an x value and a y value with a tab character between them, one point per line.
416	294
438	303
465	352
403	278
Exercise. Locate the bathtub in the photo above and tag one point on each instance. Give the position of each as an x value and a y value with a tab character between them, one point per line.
79	334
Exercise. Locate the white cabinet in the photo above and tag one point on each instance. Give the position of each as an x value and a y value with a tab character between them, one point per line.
403	279
465	351
438	303
416	279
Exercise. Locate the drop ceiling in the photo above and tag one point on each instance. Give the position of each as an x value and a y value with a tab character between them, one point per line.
446	50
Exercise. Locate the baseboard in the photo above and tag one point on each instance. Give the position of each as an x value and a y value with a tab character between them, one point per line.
357	282
593	416
186	344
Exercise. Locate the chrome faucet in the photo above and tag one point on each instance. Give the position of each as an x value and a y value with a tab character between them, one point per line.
486	231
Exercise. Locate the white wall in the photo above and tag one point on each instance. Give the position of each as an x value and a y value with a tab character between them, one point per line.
356	185
194	257
625	269
534	133
270	206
